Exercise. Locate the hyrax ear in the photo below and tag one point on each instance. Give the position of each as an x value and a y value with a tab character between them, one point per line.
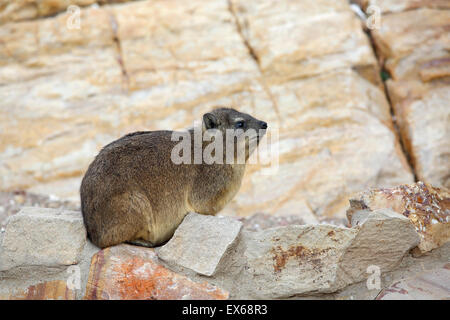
210	121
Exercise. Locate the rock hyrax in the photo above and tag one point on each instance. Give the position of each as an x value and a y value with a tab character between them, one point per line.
134	192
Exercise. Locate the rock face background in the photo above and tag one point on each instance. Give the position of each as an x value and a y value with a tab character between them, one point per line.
308	68
414	46
360	113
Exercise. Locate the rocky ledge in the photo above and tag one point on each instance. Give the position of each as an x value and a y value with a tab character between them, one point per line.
395	246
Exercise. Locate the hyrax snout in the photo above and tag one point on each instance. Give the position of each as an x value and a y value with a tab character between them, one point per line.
138	191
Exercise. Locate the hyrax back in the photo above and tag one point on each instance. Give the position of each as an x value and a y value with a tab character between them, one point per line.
134	192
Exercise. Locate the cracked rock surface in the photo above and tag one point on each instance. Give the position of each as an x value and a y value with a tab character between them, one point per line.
307	68
311	69
214	257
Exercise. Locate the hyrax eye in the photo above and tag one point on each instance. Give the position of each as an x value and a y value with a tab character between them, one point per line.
239	124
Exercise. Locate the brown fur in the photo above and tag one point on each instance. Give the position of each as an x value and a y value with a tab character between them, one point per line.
133	192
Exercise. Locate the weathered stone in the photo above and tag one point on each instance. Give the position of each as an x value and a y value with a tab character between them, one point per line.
295	260
47	282
51	290
429	285
51	69
129	272
293	38
197	235
42	237
334	141
261	221
423	115
386	6
383	238
168	72
316	259
427	207
18	10
414	46
12	202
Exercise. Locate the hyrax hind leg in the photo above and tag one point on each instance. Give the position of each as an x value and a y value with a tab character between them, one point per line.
126	220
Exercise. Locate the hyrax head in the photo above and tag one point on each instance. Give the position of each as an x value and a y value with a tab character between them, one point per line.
237	129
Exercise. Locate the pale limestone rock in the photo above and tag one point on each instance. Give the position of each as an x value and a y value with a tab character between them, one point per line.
42	237
294	38
127	272
386	6
66	93
48	282
18	10
383	238
50	125
410	267
294	260
429	285
302	260
12	202
201	242
261	221
336	138
423	116
427	207
414	44
415	48
77	91
48	290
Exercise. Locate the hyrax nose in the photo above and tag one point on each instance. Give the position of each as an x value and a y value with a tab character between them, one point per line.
263	124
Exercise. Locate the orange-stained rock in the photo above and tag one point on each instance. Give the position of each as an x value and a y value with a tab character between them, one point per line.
129	272
51	290
427	207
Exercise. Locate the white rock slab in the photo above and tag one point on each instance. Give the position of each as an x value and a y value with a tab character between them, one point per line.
200	242
42	236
